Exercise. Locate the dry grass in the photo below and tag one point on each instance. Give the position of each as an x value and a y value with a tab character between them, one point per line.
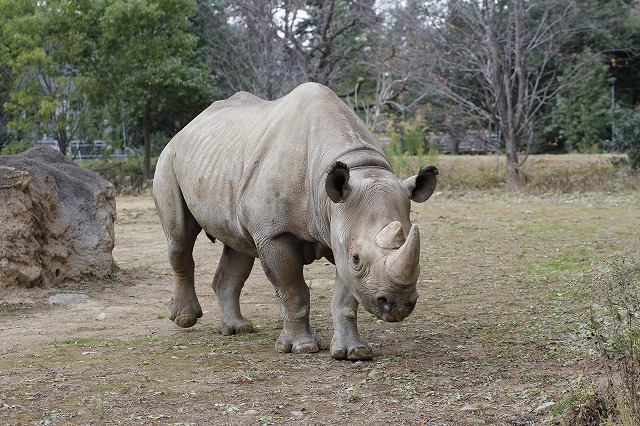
610	391
567	173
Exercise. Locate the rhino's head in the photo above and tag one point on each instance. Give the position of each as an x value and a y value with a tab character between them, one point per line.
375	246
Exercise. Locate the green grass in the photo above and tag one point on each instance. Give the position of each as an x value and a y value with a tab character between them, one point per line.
568	262
14	308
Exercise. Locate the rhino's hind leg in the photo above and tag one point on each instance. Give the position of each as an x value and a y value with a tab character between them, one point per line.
233	270
282	262
346	342
181	230
184	308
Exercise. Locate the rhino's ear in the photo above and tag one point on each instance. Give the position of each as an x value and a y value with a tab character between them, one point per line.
420	187
337	184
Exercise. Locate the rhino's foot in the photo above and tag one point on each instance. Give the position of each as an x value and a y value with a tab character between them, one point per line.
303	345
352	351
184	314
240	326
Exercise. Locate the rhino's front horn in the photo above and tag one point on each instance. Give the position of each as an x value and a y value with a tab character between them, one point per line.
403	265
391	236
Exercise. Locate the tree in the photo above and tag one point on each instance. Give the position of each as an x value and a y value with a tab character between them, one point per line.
141	55
331	36
44	95
241	44
268	47
580	117
498	60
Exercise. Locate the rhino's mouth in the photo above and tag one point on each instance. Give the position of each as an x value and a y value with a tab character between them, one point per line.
389	308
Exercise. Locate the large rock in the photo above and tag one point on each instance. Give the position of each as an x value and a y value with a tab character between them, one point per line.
56	220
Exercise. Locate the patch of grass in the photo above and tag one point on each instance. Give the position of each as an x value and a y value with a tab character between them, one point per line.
100	410
14	308
82	328
571	261
145	268
582	406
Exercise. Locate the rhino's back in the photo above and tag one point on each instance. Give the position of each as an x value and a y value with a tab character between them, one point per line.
247	166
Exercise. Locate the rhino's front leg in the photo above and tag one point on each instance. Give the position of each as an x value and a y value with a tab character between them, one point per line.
282	262
346	342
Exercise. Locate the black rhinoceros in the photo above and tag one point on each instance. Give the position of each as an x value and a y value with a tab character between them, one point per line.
291	181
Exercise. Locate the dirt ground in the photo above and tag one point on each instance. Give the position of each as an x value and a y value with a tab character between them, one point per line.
498	336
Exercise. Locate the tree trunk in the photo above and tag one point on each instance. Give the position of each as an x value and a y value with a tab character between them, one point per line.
146	125
512	179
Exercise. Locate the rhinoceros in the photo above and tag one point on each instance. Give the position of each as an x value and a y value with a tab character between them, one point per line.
289	182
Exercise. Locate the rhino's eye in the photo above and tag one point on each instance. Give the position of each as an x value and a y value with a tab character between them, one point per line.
356	259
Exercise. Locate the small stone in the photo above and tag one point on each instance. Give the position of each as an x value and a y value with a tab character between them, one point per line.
297	413
250	413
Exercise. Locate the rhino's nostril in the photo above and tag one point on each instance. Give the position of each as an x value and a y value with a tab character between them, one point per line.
384	305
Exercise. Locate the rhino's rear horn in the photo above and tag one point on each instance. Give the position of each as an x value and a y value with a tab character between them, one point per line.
391	236
403	265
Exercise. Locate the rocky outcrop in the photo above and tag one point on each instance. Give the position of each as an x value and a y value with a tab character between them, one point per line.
56	220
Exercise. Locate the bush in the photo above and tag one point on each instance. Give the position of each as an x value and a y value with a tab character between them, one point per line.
405	139
614	324
628	127
124	174
16	147
615	321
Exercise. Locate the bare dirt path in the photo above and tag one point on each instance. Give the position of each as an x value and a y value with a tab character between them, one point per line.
496	338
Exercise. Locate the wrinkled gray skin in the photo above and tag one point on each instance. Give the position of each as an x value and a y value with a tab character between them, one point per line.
291	181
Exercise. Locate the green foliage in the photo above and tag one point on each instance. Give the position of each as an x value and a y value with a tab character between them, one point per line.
75	65
406	139
628	133
16	147
580	117
141	56
45	95
125	174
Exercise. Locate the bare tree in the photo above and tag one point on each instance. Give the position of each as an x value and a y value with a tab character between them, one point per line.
382	92
268	47
498	60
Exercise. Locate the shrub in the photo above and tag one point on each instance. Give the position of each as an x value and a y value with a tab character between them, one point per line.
124	174
16	147
614	323
628	127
